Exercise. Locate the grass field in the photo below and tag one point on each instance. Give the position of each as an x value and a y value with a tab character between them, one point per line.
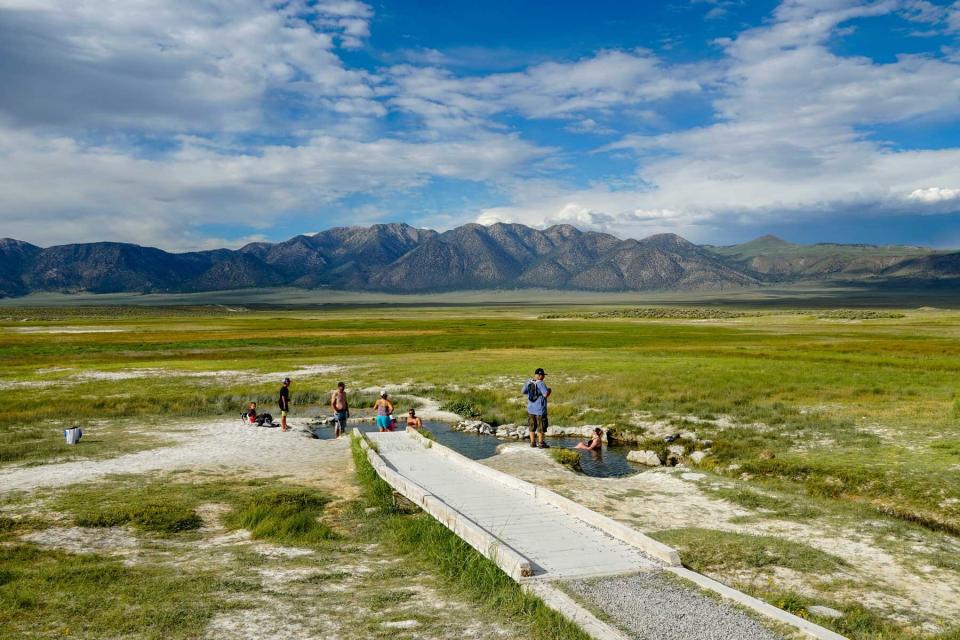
811	412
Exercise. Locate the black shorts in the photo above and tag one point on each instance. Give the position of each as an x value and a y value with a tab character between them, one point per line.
537	423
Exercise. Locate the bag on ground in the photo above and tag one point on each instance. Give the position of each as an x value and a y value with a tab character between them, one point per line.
73	435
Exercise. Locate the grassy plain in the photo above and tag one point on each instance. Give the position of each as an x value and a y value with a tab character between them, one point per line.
812	414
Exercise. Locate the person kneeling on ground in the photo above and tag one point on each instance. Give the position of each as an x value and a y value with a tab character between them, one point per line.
595	444
413	420
384	411
537	393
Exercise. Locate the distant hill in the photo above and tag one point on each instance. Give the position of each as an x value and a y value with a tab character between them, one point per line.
401	258
777	260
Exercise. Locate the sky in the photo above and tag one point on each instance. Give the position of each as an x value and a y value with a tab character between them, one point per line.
197	124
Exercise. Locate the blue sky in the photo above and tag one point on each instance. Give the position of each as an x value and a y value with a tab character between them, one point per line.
203	123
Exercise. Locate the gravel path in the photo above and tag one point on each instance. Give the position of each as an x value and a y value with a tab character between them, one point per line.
651	606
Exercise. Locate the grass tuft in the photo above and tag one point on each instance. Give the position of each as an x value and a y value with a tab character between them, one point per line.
46	593
284	515
566	457
711	550
164	517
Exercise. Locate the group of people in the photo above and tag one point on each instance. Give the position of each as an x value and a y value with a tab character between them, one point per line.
341	411
250	416
535	389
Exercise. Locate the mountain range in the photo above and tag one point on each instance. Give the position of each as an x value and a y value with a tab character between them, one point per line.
401	258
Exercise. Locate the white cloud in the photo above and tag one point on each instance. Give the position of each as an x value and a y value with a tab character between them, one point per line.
86	83
934	194
941	17
348	17
610	80
179	65
58	190
790	138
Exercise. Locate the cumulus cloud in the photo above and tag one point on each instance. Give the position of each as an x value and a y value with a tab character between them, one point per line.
178	65
793	120
597	208
112	194
934	195
144	121
349	18
558	90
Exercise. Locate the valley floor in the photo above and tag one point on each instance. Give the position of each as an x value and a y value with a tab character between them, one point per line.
831	479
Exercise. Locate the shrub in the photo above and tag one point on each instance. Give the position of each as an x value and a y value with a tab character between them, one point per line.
566	457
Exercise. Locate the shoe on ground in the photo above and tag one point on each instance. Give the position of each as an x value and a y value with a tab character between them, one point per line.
544	445
533	444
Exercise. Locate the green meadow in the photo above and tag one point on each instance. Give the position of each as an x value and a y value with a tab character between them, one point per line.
813	413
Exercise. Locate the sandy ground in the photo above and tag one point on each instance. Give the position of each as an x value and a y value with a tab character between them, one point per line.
295	600
662	499
223	445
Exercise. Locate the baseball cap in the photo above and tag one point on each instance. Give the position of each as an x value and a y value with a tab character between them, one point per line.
539	372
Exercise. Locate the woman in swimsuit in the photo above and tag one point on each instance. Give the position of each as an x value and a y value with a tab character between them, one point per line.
384	410
595	444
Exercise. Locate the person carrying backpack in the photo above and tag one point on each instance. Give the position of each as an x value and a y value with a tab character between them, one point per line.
537	393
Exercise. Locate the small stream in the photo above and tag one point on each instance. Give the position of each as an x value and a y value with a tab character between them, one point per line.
609	463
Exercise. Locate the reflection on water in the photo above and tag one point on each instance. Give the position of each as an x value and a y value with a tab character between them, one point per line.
609	463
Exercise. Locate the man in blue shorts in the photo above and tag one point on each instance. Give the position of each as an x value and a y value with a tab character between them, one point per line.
537	393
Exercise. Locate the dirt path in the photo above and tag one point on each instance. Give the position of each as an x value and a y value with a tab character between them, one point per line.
222	445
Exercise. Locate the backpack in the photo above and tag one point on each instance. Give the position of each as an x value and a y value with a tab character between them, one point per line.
533	391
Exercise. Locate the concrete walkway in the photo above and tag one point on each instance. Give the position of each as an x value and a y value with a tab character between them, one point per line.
555	540
557	545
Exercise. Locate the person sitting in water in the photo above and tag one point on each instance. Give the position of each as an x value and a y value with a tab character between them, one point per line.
384	410
595	444
413	420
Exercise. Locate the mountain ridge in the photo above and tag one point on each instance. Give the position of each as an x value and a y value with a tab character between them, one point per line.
402	258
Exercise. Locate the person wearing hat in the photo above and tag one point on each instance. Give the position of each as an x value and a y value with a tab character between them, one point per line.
537	393
384	411
284	403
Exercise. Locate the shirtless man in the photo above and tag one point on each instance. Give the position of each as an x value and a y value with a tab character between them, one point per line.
341	411
413	420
